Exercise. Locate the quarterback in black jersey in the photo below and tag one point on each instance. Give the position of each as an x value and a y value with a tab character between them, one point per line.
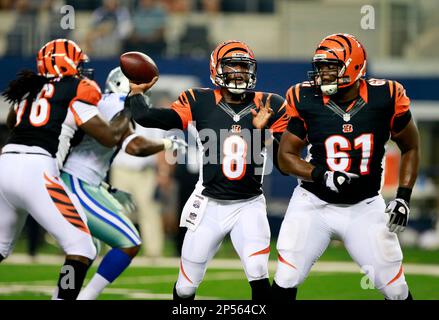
345	121
233	123
47	109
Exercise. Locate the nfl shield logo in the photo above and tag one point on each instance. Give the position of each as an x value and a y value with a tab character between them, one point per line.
192	216
348	128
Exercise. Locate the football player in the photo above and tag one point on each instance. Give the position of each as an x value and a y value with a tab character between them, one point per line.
228	198
84	172
56	100
345	121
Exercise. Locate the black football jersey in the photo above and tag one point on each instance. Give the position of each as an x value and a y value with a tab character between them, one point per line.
39	122
232	163
348	138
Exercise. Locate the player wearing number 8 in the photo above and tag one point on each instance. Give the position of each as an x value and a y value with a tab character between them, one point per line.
57	101
345	121
231	183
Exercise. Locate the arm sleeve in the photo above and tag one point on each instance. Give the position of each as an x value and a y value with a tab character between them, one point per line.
83	112
296	124
278	123
145	116
401	113
183	107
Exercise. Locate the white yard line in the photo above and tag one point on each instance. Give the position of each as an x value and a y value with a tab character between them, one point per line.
231	264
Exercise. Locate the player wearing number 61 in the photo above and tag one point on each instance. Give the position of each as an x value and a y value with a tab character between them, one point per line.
228	197
346	121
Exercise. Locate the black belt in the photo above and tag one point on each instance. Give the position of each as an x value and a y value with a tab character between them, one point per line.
17	152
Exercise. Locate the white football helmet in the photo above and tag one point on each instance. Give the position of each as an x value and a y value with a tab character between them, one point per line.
117	82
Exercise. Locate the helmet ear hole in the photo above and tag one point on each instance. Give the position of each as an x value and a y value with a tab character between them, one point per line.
357	67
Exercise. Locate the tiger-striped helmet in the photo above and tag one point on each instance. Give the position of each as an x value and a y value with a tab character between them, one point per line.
229	53
348	53
60	58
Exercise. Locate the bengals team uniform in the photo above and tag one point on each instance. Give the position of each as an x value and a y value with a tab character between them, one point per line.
231	181
349	138
29	173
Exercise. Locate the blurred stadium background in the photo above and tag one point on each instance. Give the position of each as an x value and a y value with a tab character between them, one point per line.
179	34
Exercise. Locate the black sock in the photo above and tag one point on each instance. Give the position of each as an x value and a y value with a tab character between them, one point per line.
176	297
1	258
261	290
283	295
71	278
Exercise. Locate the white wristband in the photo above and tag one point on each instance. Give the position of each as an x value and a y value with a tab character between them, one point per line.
167	143
128	140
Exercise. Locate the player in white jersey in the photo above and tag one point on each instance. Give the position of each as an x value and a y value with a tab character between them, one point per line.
44	105
84	172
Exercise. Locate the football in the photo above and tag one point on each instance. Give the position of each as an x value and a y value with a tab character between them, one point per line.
138	67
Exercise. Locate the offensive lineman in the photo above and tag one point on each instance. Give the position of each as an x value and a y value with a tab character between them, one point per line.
229	191
56	102
345	121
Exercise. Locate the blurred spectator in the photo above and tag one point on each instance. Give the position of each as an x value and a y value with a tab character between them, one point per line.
84	4
149	24
261	6
6	4
166	192
110	27
175	6
194	42
208	6
20	39
54	29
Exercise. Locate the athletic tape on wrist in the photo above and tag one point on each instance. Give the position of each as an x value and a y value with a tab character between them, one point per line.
167	144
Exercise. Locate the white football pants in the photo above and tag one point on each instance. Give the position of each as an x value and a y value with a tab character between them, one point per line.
247	223
309	225
30	182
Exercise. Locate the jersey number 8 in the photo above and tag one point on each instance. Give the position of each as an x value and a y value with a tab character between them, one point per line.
235	152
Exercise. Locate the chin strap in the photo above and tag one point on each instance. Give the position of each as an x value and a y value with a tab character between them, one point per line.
329	89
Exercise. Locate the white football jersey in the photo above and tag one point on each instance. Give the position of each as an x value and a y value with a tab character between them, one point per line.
90	161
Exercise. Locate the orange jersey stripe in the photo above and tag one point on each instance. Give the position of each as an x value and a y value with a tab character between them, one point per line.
281	124
218	96
183	109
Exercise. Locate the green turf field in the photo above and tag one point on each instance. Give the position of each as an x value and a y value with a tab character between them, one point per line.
36	281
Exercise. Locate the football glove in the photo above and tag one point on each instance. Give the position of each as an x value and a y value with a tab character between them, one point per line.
174	143
399	212
337	180
125	199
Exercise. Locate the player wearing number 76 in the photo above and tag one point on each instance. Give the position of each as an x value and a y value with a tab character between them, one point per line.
228	198
345	121
47	109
